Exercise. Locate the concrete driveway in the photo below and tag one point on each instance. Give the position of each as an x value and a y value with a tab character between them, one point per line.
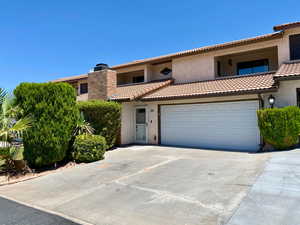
147	185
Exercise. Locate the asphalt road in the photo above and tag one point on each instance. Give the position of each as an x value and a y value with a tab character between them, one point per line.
12	213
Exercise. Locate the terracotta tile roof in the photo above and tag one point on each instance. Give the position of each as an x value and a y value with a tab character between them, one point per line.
286	26
131	92
72	78
227	86
203	49
288	70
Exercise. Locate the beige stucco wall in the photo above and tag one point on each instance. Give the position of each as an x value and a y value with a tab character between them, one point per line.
83	97
286	94
202	67
128	109
155	71
284	47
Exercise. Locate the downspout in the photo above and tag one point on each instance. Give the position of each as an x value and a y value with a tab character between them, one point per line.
261	106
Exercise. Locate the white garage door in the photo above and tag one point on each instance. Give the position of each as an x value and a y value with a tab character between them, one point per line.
227	125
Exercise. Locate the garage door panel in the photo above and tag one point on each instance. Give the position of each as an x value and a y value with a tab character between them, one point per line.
230	125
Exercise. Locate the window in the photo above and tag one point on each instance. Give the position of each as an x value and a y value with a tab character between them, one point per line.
219	68
83	88
166	71
138	79
298	97
295	47
253	67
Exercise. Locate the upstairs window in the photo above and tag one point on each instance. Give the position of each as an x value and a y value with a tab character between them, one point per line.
295	47
256	66
298	96
83	88
138	79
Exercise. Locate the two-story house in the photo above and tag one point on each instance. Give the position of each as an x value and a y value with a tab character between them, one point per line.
205	97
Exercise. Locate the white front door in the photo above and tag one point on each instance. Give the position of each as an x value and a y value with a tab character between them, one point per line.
141	125
228	125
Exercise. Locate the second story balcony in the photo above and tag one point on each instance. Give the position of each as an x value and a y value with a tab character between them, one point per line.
250	62
145	73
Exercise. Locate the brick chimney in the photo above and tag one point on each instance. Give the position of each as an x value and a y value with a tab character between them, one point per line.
102	84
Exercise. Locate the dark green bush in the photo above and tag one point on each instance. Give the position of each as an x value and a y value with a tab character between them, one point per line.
89	148
280	127
4	152
104	117
53	107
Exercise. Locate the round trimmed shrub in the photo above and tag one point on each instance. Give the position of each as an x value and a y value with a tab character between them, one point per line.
280	127
89	148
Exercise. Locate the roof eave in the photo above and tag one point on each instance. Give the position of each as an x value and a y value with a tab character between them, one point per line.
202	50
256	91
290	77
69	80
286	26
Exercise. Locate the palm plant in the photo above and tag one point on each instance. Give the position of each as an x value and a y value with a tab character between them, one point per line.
11	131
11	128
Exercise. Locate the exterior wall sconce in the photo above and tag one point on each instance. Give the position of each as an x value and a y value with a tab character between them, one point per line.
271	101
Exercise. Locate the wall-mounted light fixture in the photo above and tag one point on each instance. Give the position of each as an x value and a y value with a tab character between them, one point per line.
271	101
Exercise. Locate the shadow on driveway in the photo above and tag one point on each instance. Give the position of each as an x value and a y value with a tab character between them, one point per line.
12	213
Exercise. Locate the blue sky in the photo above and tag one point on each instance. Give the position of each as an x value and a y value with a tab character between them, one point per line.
45	40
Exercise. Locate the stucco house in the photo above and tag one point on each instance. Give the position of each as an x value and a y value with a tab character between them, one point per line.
205	97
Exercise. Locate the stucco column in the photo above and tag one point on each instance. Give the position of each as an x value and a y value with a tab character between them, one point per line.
147	73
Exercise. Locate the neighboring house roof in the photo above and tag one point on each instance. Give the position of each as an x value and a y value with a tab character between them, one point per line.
288	70
257	83
203	49
131	92
72	78
286	26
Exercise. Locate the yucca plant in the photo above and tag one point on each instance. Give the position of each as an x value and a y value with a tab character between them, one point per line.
83	127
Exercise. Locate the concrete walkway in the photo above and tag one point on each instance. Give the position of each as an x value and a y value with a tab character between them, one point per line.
274	199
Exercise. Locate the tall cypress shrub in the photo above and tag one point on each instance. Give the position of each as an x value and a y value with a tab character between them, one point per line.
105	118
53	107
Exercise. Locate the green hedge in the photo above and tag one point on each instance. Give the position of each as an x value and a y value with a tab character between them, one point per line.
89	148
53	107
105	118
280	127
4	152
